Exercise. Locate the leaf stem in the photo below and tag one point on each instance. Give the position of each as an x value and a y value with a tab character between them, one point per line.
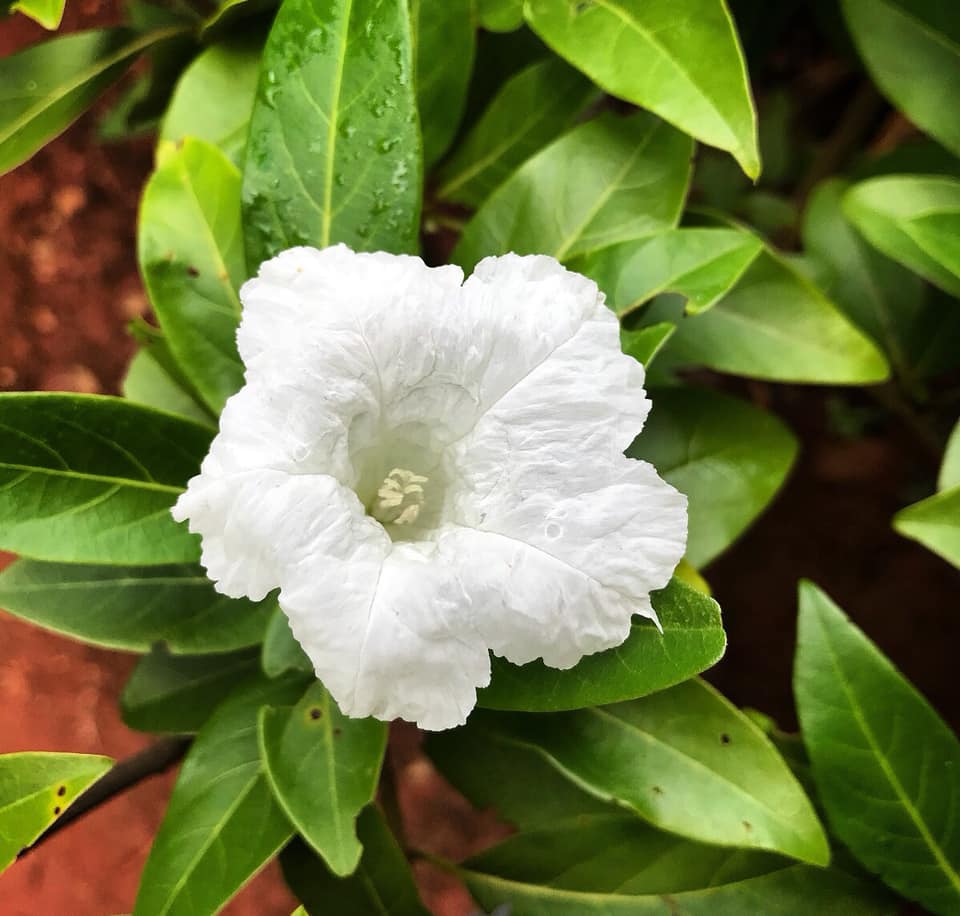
151	761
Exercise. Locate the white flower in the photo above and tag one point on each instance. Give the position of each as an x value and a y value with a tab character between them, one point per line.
430	468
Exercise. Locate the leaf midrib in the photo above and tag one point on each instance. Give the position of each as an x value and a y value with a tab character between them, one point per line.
632	23
603	198
332	126
592	789
939	857
58	93
699	764
97	478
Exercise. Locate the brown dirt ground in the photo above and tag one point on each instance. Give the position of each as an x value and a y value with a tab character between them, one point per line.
68	286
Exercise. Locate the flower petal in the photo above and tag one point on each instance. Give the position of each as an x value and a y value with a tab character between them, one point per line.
303	293
257	526
559	574
409	652
571	535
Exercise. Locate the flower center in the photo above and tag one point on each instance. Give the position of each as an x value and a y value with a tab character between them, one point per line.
399	498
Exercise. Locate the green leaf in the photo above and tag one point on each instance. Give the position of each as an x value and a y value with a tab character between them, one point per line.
728	457
131	608
148	383
176	386
950	469
702	265
46	87
47	12
618	866
606	181
530	110
643	344
445	40
882	298
775	324
35	789
214	97
323	768
334	148
912	50
222	824
935	523
382	883
884	762
500	15
177	693
281	651
683	62
687	761
228	19
494	771
914	219
190	249
144	100
87	479
692	640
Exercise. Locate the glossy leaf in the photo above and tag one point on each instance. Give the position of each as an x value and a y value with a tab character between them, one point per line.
914	219
190	248
500	15
214	97
229	17
643	344
331	159
86	479
382	883
281	651
775	324
47	86
912	50
494	771
950	468
530	110
884	762
685	760
47	12
444	36
684	63
145	98
702	265
35	789
177	693
728	457
692	641
604	182
147	382
323	769
889	302
618	866
131	607
935	523
222	824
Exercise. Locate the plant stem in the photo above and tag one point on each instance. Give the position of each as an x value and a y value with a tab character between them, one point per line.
855	120
151	761
926	437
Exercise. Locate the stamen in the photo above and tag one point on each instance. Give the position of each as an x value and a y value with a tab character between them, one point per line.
399	498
